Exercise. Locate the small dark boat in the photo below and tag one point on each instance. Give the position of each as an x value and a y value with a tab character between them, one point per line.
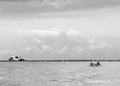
95	64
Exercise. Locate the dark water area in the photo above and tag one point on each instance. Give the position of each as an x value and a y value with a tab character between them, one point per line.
59	74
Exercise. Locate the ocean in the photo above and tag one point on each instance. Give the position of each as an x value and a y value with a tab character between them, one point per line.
59	74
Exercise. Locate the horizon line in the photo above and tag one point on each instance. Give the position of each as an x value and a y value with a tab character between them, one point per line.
118	60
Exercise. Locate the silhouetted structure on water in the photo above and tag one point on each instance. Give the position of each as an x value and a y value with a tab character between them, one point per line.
16	58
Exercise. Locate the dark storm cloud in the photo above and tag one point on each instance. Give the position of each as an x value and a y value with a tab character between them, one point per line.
10	7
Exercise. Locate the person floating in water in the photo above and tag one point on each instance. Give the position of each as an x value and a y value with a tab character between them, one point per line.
98	63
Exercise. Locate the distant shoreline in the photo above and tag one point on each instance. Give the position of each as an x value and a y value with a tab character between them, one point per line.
62	61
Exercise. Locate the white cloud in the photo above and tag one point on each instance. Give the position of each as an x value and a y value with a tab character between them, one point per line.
72	32
27	49
53	32
92	41
94	44
61	41
62	50
54	4
6	51
40	33
79	49
37	40
45	47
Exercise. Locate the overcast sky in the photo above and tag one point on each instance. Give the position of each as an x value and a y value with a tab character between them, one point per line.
60	29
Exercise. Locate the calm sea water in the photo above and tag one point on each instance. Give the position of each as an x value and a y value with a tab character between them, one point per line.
59	74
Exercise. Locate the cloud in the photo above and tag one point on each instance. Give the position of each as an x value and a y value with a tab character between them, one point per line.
25	7
72	32
53	32
7	51
40	33
27	49
100	45
61	41
94	44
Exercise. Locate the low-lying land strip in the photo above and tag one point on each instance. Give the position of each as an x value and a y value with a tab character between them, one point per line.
62	61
